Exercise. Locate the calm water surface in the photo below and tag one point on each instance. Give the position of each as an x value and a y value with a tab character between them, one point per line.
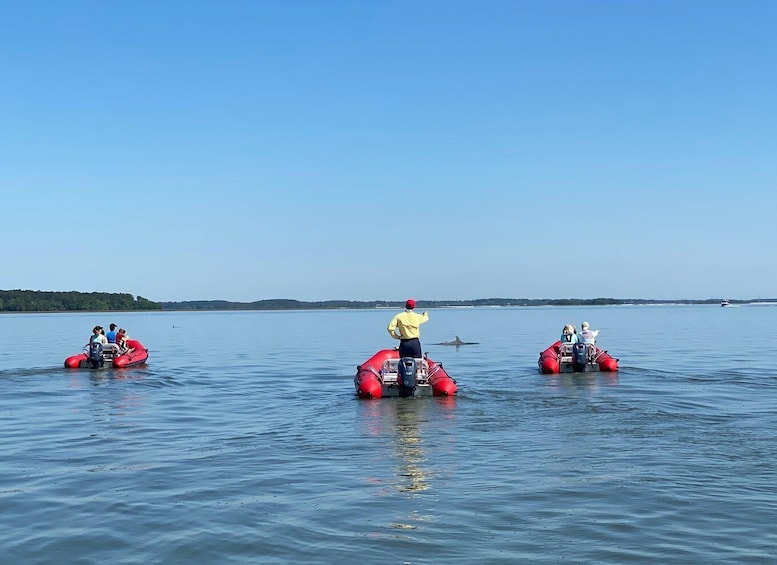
241	441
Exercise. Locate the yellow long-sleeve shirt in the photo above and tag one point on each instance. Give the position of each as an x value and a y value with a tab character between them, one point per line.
407	322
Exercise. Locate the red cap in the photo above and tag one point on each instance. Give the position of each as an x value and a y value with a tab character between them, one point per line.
410	304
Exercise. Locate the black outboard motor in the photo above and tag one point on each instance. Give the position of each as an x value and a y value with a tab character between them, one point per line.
406	376
96	355
579	357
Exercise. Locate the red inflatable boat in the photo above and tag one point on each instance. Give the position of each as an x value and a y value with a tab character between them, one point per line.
575	358
97	356
385	374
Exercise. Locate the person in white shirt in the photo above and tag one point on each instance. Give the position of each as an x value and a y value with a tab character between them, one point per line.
587	335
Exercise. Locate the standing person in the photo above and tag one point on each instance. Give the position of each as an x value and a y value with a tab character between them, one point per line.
111	335
408	323
587	335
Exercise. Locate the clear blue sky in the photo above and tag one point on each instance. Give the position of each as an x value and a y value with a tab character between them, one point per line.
377	149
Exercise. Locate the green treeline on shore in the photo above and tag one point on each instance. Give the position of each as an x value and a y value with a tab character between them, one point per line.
41	301
286	304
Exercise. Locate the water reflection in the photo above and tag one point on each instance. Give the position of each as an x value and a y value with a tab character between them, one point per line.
592	382
410	446
113	393
99	377
406	422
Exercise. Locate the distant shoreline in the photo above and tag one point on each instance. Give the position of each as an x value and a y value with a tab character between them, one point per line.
41	302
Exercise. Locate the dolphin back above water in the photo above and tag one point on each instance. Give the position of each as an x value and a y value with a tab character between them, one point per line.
456	342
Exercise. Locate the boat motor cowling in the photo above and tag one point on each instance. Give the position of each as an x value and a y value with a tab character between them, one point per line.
406	376
579	357
96	354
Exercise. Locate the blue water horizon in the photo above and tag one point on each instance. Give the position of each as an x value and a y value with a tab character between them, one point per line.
241	441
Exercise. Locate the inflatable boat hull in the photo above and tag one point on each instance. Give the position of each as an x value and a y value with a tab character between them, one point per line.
378	378
137	356
553	361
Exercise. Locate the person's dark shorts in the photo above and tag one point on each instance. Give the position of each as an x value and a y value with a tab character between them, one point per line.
410	348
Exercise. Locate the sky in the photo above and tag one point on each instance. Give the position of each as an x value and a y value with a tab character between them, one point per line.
378	150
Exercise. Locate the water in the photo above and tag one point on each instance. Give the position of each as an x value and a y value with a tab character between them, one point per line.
241	441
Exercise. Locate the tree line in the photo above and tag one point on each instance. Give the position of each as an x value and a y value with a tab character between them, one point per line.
287	304
42	301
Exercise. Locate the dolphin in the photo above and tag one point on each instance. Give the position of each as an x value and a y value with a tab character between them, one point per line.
456	342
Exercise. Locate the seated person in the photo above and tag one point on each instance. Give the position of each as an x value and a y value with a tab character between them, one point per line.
98	335
121	340
587	335
569	335
111	335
